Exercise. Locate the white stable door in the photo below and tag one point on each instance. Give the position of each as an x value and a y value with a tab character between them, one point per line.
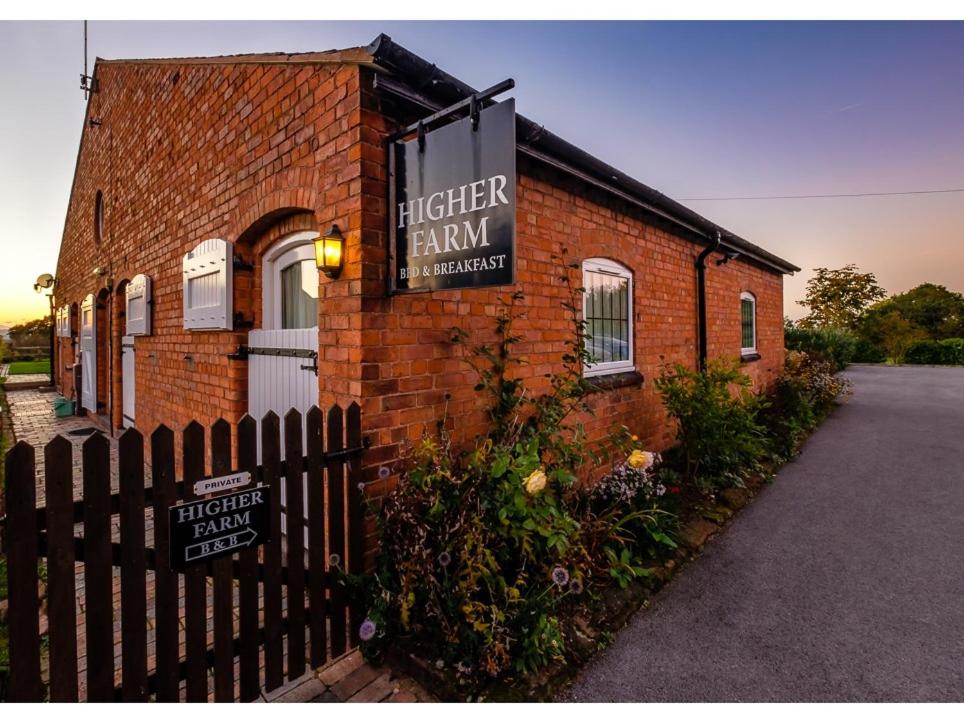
282	357
88	354
127	380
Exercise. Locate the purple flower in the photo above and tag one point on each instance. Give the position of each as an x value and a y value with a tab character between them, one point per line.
361	486
560	576
444	559
367	630
334	560
383	472
575	587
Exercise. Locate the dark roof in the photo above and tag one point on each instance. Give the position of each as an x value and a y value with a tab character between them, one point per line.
432	83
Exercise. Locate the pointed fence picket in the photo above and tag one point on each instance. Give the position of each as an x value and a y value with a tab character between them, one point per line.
281	603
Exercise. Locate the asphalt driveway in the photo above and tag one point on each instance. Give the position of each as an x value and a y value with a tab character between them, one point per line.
843	581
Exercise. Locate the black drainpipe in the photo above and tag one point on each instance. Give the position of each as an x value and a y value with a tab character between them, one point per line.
701	295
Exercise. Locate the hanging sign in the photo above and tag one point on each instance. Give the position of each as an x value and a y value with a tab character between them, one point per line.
453	204
207	529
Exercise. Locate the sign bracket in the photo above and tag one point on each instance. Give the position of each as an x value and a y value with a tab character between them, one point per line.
474	102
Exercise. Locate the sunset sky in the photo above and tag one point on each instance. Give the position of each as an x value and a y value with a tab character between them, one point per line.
695	110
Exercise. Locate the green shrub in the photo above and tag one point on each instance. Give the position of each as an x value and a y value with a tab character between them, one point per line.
480	548
837	345
868	353
805	393
716	419
945	351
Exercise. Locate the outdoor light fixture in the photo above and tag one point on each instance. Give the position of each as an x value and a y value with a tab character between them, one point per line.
330	252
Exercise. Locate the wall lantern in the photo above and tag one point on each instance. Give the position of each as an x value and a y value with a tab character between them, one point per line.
330	252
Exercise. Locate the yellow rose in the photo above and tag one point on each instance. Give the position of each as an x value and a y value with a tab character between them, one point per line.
535	482
640	459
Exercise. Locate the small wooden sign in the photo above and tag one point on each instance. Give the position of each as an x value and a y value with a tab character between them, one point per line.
222	484
207	529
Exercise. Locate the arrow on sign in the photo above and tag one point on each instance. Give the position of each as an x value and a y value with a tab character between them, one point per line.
222	544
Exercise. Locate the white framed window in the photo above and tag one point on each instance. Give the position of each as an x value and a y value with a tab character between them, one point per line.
747	323
608	312
290	283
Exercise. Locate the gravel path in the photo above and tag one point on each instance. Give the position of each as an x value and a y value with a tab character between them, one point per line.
843	581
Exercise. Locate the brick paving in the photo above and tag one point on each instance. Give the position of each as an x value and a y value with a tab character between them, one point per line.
347	679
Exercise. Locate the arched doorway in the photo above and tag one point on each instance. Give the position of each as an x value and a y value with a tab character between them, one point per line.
103	365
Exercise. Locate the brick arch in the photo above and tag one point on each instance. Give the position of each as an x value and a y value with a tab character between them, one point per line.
268	204
250	246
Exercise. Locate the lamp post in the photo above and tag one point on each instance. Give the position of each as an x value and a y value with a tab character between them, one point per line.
44	282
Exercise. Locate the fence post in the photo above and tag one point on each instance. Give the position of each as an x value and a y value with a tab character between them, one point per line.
98	570
295	516
223	592
314	421
166	603
356	515
248	584
271	466
336	530
133	567
22	558
195	587
61	575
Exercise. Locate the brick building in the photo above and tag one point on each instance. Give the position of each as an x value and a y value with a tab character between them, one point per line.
201	182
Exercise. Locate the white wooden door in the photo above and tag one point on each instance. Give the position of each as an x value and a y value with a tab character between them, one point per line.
281	377
127	380
88	354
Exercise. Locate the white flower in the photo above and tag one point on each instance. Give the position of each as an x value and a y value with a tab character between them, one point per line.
367	629
535	482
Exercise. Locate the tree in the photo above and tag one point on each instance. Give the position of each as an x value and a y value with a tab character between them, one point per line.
838	297
31	333
933	309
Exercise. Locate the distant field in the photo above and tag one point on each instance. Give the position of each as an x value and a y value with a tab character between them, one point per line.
30	367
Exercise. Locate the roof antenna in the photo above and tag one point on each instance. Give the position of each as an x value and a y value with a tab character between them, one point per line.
87	83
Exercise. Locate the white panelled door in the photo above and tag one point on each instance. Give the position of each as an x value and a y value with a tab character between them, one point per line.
277	377
88	354
282	357
127	380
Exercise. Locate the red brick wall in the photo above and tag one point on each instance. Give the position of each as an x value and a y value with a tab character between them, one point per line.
187	152
249	152
412	375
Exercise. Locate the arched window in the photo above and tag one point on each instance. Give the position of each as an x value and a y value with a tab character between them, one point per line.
608	313
99	217
290	276
747	323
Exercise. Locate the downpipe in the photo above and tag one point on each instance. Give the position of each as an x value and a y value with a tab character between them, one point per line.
701	296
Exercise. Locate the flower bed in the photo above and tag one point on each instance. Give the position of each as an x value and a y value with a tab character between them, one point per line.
498	575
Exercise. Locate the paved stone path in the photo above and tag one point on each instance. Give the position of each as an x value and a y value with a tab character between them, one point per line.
843	581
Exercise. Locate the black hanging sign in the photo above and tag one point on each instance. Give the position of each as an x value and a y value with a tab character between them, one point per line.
453	204
211	528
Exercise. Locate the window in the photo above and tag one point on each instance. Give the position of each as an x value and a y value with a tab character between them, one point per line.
608	313
299	295
290	283
748	323
99	217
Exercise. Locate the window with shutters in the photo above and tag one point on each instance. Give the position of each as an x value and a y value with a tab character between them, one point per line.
608	314
207	272
138	306
748	323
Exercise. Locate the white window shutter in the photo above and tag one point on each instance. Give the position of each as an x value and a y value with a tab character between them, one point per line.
208	285
138	311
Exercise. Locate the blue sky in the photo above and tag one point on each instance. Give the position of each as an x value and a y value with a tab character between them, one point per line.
699	109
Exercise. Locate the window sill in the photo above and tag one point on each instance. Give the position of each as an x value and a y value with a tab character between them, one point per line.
749	356
615	380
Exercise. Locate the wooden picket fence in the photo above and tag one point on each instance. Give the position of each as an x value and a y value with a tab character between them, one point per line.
272	609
